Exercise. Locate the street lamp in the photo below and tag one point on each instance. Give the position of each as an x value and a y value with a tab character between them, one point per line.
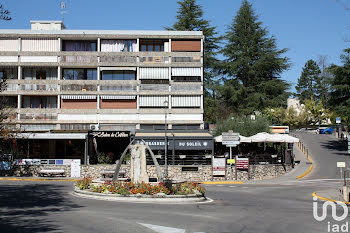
166	142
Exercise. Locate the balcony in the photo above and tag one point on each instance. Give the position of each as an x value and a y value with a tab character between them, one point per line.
79	59
38	116
77	87
154	87
185	59
186	88
154	59
118	59
38	87
125	88
11	87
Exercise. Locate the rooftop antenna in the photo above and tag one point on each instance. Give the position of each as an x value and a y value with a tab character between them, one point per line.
63	8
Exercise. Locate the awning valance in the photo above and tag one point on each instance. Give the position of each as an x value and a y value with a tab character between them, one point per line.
78	97
118	97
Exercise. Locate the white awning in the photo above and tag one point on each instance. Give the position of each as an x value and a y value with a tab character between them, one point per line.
118	97
117	68
186	72
154	73
51	135
78	97
266	137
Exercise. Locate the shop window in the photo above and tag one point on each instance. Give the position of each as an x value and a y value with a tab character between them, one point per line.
118	75
80	74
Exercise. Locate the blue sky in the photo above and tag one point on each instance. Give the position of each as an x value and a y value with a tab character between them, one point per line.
308	28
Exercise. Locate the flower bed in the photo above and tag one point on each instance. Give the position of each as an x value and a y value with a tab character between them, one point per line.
130	188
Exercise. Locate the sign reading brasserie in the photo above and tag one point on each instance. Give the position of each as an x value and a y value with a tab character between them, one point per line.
180	144
109	134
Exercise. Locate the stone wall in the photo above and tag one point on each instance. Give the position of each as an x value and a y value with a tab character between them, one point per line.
204	173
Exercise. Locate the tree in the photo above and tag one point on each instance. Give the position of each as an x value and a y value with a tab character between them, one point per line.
340	88
307	82
323	84
190	18
254	62
318	114
4	14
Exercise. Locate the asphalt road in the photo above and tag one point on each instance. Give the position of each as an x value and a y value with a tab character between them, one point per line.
27	206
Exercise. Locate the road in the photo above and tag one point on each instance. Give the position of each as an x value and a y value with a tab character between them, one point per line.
282	207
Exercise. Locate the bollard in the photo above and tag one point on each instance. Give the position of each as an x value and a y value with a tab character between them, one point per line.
307	153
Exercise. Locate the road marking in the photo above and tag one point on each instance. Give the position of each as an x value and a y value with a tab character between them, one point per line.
219	185
221	182
245	187
162	229
232	186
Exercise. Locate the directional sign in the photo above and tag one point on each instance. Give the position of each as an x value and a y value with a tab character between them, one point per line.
231	161
341	164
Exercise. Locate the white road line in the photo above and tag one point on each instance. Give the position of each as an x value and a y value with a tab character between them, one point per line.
219	185
245	187
232	186
162	229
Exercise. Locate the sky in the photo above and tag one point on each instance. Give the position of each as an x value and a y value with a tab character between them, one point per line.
307	28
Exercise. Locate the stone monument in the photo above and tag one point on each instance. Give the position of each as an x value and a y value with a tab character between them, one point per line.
138	168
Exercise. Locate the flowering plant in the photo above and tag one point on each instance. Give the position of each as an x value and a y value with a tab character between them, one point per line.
84	183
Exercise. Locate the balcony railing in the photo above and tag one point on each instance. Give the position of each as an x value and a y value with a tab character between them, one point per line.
77	87
39	87
154	87
79	59
186	87
154	59
11	87
118	88
118	59
38	116
186	59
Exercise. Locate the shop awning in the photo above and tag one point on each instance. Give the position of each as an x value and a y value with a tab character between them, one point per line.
264	137
170	134
51	135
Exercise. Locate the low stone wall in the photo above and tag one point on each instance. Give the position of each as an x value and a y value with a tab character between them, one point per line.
204	173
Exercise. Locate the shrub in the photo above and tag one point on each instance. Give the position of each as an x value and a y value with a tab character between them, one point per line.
84	183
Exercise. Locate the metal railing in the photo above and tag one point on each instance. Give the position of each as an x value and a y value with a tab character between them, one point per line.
186	59
154	87
79	59
78	87
118	59
38	87
38	116
154	59
118	88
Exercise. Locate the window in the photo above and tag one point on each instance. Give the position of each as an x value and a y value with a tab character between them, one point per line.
70	45
186	79
39	102
80	74
39	73
8	73
154	81
118	75
119	46
8	101
152	45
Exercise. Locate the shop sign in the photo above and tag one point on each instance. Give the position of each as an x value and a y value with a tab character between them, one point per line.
180	144
231	161
242	163
219	166
109	134
75	168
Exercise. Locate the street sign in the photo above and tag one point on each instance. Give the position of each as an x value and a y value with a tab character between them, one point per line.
230	137
219	166
341	164
338	120
231	161
242	163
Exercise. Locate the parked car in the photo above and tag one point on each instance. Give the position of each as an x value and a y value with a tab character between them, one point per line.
328	130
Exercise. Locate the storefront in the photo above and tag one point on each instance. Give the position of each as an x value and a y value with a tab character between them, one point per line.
184	148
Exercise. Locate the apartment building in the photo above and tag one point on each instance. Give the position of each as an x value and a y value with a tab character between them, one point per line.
73	88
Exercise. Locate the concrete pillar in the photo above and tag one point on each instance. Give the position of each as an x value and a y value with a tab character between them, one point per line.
170	46
19	101
59	44
169	102
19	73
19	44
59	69
98	102
138	45
98	44
98	73
59	102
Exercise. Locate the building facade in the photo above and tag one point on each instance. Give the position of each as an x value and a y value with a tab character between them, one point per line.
64	83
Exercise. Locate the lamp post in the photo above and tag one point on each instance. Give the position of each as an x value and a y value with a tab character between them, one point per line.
166	142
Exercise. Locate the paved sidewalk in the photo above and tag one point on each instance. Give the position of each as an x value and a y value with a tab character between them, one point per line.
330	194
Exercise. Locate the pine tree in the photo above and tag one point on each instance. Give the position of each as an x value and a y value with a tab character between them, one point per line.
252	58
4	14
340	88
190	18
309	82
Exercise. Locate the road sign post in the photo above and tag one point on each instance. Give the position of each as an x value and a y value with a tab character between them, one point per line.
341	165
230	139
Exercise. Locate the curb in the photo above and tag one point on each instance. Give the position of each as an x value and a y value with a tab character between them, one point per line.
327	199
310	168
38	179
221	182
179	199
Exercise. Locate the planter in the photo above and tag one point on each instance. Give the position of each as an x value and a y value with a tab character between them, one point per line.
190	198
